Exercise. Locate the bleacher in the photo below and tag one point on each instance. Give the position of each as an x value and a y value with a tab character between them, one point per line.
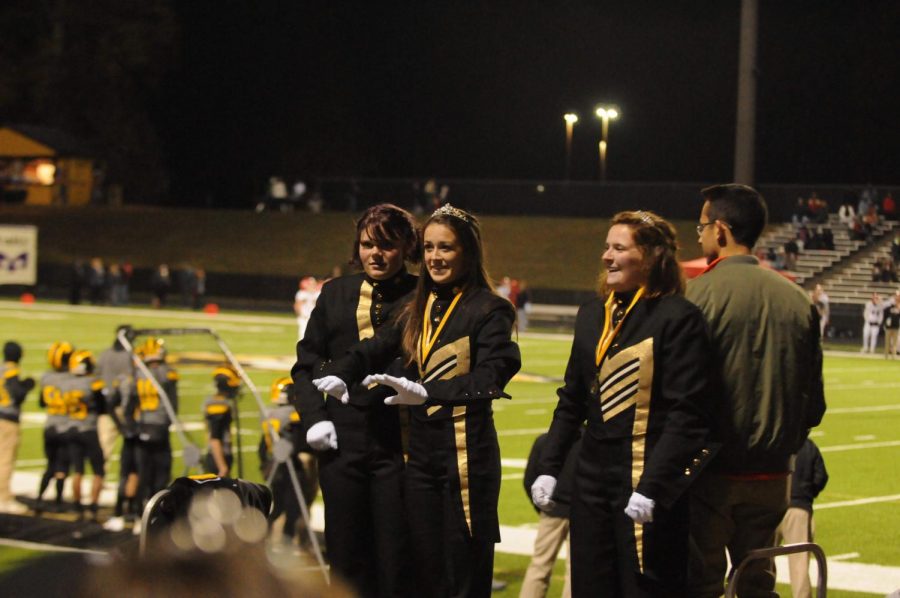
851	281
813	264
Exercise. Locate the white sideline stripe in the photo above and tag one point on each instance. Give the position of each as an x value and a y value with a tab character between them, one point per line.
150	313
525	432
520	463
861	445
857	502
858	577
862	409
855	577
46	547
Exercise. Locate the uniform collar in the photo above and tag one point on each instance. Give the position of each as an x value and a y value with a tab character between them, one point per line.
732	260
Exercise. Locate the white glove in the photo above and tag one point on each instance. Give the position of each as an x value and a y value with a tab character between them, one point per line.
640	508
408	392
334	386
322	436
542	492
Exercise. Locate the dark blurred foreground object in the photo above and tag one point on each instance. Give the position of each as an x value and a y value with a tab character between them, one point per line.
201	536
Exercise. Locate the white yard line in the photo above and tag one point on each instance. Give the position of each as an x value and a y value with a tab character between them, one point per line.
857	502
46	547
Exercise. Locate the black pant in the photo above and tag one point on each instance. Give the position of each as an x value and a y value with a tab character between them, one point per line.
365	523
154	460
611	554
453	556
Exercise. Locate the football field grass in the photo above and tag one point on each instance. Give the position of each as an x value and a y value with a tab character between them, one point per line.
857	516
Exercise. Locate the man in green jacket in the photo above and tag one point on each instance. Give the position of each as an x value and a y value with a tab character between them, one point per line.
767	377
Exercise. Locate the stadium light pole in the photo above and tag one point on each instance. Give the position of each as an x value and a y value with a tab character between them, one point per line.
571	118
605	114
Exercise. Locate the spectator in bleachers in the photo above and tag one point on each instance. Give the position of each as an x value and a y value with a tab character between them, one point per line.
888	270
847	214
791	251
895	248
889	207
803	237
815	240
870	220
857	230
817	208
827	239
801	212
865	202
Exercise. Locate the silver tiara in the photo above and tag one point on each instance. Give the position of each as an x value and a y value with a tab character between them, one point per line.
645	217
448	210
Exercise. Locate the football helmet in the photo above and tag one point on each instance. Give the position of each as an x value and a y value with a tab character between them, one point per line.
282	389
227	380
81	362
58	355
153	349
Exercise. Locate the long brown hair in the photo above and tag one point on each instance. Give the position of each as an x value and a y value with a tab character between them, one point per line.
657	241
468	231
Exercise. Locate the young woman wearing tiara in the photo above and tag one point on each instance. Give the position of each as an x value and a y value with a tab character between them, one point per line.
637	374
455	338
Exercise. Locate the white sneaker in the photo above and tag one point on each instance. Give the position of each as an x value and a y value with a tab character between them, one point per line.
136	530
13	507
114	524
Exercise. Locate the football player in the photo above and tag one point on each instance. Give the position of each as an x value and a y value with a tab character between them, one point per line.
85	401
13	391
57	422
217	411
153	449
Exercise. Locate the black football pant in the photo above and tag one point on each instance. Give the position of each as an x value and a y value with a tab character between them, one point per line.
154	461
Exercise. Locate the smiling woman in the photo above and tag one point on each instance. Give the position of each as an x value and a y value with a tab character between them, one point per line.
637	376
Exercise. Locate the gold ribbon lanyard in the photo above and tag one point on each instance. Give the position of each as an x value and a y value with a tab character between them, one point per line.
428	339
608	335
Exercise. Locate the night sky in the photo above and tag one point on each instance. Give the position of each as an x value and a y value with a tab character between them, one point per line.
478	90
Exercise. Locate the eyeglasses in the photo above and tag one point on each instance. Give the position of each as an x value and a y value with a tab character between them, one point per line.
703	225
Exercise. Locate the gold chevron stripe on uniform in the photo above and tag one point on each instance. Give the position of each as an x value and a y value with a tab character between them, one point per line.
449	361
630	373
462	462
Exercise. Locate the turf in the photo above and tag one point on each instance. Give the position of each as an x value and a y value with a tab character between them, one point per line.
858	437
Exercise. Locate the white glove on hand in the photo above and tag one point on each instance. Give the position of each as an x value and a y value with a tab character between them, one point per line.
408	392
322	436
640	508
334	386
542	492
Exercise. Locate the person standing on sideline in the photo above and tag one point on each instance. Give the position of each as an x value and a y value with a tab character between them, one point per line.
638	375
304	303
766	370
873	316
808	480
553	525
359	444
114	368
820	300
455	336
13	391
892	327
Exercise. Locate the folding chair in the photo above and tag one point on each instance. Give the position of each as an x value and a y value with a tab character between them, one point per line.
771	553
